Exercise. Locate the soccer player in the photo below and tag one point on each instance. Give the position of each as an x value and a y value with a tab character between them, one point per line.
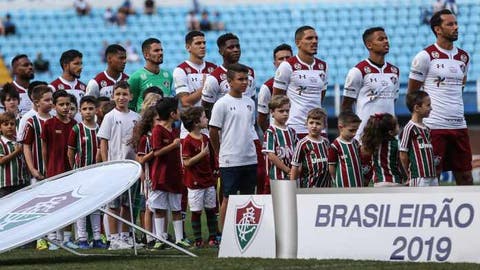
373	84
280	53
115	133
12	166
22	70
102	84
71	63
189	76
83	151
303	78
232	119
310	160
416	150
344	161
150	75
55	133
441	69
279	141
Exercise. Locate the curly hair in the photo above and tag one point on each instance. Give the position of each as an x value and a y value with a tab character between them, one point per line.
377	131
143	126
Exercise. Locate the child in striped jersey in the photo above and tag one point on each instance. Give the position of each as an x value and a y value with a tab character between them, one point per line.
309	161
83	151
344	162
416	151
142	142
379	140
279	141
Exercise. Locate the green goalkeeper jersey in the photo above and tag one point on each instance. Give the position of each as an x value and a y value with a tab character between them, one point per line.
143	79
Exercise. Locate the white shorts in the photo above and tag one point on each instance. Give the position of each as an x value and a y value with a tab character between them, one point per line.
164	200
202	198
424	182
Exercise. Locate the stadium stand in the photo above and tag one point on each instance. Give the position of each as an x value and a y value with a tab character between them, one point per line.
260	27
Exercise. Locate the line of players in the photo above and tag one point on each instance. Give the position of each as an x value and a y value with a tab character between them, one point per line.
372	85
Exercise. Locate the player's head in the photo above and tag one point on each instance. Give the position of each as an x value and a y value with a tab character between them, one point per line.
9	96
348	123
281	53
71	63
90	100
88	107
418	102
316	121
379	127
195	44
105	108
194	118
7	124
22	67
33	85
229	47
121	95
116	57
444	24
62	101
42	98
167	109
73	105
376	40
153	51
306	39
153	90
237	77
279	107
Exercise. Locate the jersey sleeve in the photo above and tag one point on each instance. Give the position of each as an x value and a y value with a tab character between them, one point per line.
282	76
353	83
218	115
404	140
106	127
298	156
142	146
187	148
180	81
2	151
420	66
93	88
210	89
332	155
28	133
72	138
134	82
264	98
269	141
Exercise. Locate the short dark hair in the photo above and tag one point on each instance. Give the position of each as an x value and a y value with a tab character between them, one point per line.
107	107
69	56
278	101
222	40
348	117
114	49
368	33
236	68
415	98
33	85
436	19
60	93
89	99
282	47
190	35
8	90
39	90
317	114
7	117
166	106
16	58
152	89
103	98
148	42
121	84
73	99
191	116
299	33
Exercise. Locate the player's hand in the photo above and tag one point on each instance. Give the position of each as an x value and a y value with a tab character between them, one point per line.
18	148
176	142
205	150
38	175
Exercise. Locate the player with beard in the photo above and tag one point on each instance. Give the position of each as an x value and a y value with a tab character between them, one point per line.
102	84
71	63
150	75
441	69
22	69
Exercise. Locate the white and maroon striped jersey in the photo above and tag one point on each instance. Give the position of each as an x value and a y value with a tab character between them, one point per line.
102	84
281	142
346	158
76	88
386	163
312	157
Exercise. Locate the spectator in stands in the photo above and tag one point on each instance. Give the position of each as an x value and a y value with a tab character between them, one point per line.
121	18
8	26
149	7
109	16
217	22
205	24
102	51
82	7
191	21
40	64
132	55
437	6
452	6
127	8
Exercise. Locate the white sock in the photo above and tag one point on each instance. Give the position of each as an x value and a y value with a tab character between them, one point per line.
178	228
82	229
159	224
67	236
149	238
96	227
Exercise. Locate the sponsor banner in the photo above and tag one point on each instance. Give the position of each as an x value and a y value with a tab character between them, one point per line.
249	229
51	204
434	224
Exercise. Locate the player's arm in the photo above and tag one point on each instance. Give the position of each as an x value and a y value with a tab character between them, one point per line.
104	149
162	151
142	159
263	121
351	90
27	152
214	133
98	156
209	94
405	161
93	89
264	98
7	158
134	90
418	72
282	79
295	172
190	161
71	156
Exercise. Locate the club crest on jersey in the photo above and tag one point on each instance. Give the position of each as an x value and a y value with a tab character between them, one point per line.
394	79
394	70
103	83
166	84
82	87
36	208
210	69
367	70
320	66
463	58
297	66
61	87
143	76
435	54
223	76
248	218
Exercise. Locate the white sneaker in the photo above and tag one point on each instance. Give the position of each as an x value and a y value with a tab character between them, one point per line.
117	244
129	241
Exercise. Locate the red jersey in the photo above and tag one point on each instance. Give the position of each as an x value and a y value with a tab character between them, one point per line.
200	175
166	170
55	133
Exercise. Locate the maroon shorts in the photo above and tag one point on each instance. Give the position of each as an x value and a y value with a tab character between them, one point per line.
452	148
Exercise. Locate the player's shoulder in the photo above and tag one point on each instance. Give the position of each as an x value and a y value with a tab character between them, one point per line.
462	56
319	64
269	84
434	53
209	67
124	76
100	76
219	74
390	68
55	83
365	67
